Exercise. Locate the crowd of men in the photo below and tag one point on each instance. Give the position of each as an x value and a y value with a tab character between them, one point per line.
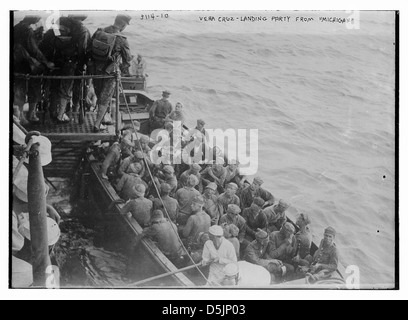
68	49
219	217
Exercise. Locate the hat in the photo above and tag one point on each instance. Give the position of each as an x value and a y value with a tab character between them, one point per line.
212	186
261	235
32	19
135	168
305	218
165	188
259	202
201	122
196	167
232	186
139	155
216	231
192	181
166	93
289	228
330	231
258	181
157	215
53	231
123	17
233	230
140	190
283	204
168	169
80	17
234	209
199	200
231	270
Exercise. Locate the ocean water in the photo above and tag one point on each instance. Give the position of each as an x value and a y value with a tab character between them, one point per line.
322	97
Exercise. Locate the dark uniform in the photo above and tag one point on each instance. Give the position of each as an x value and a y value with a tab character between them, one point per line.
248	195
27	56
70	51
122	58
254	222
158	113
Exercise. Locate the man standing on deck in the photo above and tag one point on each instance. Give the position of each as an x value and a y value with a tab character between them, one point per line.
27	59
69	46
159	112
253	191
140	207
110	52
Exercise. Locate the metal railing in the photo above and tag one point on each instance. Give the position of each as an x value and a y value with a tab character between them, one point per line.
117	77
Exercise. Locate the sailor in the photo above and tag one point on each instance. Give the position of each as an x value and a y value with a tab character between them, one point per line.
69	46
177	114
216	173
194	170
282	246
168	177
218	253
257	253
211	206
171	205
198	222
164	233
232	217
139	207
276	215
303	240
325	260
255	218
114	155
245	274
128	182
159	112
185	198
253	191
109	48
27	59
229	197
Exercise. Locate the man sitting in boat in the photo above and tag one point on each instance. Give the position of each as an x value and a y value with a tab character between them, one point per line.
139	207
198	222
276	216
164	233
303	241
245	274
229	197
231	233
168	176
282	247
125	165
325	260
233	173
233	217
170	204
211	206
159	112
216	174
255	218
177	114
128	182
116	152
256	190
194	170
185	198
218	253
257	253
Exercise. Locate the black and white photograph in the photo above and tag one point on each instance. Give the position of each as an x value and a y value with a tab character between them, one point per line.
222	149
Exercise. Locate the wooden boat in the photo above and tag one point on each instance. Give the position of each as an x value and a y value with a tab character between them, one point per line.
149	256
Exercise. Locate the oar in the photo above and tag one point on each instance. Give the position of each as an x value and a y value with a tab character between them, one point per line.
163	275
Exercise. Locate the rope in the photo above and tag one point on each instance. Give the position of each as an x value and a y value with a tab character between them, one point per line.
157	190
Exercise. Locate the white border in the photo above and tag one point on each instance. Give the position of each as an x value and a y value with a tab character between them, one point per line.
195	294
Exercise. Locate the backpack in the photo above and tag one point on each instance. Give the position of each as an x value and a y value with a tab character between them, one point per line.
103	45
